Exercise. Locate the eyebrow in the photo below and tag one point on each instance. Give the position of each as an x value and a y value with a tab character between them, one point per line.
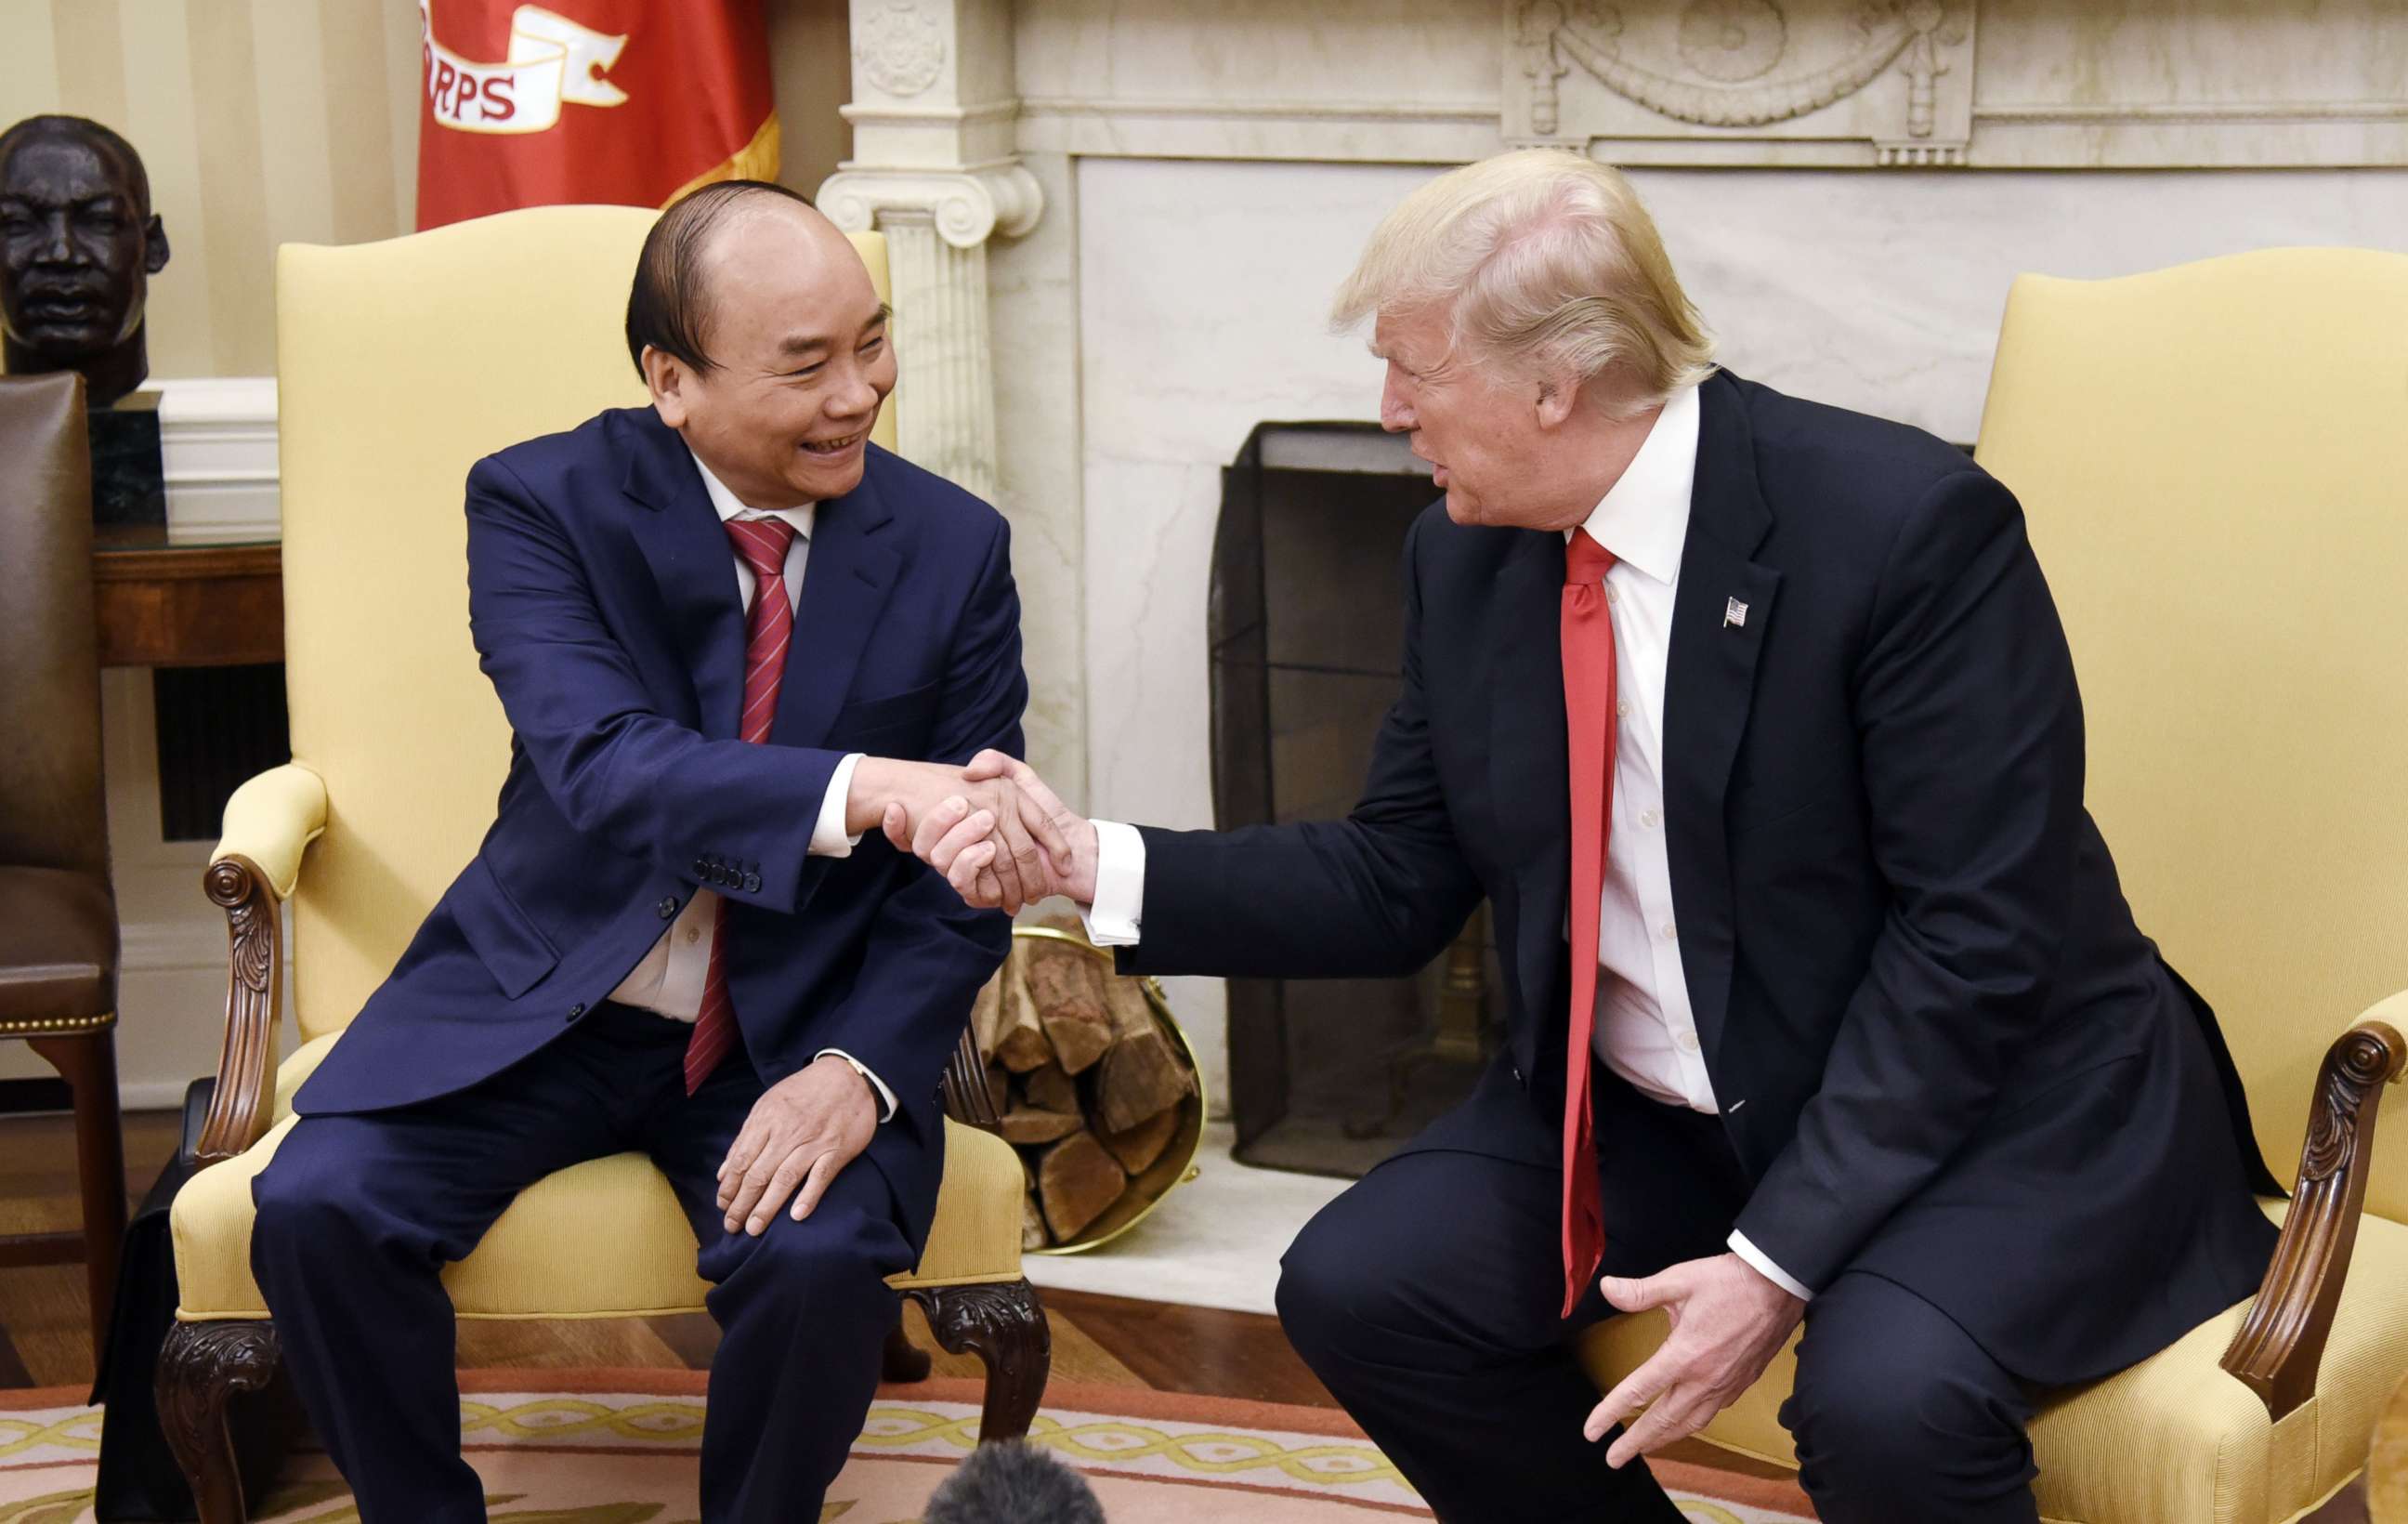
799	344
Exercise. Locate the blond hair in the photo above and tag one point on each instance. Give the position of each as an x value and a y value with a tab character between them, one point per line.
1545	261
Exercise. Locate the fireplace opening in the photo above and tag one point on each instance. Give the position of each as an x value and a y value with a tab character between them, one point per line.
1307	629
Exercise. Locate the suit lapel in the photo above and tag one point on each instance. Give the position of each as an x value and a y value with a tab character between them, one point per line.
1709	686
851	568
1529	771
691	566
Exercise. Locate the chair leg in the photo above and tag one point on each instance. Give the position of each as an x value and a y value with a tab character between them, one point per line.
201	1367
1001	1323
88	1062
904	1360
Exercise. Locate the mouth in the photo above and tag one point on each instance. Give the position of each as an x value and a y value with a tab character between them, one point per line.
62	309
836	449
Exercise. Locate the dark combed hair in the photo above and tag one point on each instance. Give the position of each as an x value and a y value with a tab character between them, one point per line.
83	130
669	302
1011	1483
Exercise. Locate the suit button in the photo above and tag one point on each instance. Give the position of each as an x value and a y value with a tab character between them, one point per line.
669	907
701	868
752	884
576	1011
722	877
1518	1079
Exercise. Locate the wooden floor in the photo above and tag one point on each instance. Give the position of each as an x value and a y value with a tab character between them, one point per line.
1105	1340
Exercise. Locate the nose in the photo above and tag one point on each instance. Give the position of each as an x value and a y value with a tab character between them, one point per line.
57	249
859	396
1396	407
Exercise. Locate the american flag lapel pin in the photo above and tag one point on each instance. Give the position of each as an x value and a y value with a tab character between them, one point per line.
1734	612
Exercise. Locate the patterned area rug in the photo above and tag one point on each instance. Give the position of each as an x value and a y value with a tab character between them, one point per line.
620	1447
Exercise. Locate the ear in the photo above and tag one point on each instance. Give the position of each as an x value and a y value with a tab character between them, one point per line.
665	377
154	244
1559	397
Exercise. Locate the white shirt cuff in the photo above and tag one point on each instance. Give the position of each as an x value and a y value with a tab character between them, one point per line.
1766	1268
828	838
886	1096
1119	910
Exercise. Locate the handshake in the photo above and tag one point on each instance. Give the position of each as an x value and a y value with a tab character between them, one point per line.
997	833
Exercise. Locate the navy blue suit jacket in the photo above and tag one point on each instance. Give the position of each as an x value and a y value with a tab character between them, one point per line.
1942	1050
603	599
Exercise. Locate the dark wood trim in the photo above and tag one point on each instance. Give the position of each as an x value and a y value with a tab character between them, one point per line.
21	1097
88	1062
188	605
202	1366
20	1250
2282	1341
967	1100
1003	1325
242	1109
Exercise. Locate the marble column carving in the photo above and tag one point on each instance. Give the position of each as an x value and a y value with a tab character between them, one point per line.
937	224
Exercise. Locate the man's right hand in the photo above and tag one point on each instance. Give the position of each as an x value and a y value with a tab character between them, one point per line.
963	843
903	799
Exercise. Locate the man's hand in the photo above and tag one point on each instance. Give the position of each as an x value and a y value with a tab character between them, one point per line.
962	844
901	798
802	1131
1727	1323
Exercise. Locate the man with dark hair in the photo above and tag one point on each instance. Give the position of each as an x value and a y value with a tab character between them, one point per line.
683	832
79	243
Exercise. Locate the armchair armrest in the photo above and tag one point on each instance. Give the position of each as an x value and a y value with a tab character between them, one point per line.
269	822
967	1099
2276	1352
271	819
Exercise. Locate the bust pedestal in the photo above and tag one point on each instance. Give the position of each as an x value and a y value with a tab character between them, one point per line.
129	482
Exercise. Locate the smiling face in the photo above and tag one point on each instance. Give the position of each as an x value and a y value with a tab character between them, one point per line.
76	244
800	360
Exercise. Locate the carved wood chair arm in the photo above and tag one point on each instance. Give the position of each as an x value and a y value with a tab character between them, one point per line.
2282	1341
965	1084
244	1103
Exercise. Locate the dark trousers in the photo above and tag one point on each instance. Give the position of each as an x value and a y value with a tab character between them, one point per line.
359	1214
1427	1299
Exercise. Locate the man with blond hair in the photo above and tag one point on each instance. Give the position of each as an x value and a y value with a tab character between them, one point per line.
1753	722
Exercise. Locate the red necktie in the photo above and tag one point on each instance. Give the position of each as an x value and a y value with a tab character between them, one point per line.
1588	711
763	544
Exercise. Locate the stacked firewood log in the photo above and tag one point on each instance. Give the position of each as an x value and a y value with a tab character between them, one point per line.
1085	1078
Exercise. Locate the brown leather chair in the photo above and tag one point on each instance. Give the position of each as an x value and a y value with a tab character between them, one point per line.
58	916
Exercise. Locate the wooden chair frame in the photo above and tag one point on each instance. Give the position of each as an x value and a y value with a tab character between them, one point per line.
204	1366
2282	1342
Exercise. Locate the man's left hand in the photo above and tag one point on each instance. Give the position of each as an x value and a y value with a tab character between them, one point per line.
802	1131
1727	1323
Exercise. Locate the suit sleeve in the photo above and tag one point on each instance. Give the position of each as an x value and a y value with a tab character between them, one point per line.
616	767
1377	894
928	953
1973	768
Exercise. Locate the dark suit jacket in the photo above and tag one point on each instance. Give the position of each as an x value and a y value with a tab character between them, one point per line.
1942	1051
603	599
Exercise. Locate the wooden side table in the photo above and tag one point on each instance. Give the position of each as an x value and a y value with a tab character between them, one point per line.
162	605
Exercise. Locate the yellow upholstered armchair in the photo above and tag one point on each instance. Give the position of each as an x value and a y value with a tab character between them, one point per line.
400	364
2213	462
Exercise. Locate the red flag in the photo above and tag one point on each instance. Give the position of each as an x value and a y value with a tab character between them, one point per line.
633	102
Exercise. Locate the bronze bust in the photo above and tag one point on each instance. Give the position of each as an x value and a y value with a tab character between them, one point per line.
79	243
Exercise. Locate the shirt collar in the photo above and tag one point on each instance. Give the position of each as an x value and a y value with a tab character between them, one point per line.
731	506
1644	519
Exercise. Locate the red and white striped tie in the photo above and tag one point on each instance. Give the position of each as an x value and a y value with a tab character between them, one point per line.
763	544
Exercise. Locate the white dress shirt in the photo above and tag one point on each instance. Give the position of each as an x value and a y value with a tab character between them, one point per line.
668	981
1644	1031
